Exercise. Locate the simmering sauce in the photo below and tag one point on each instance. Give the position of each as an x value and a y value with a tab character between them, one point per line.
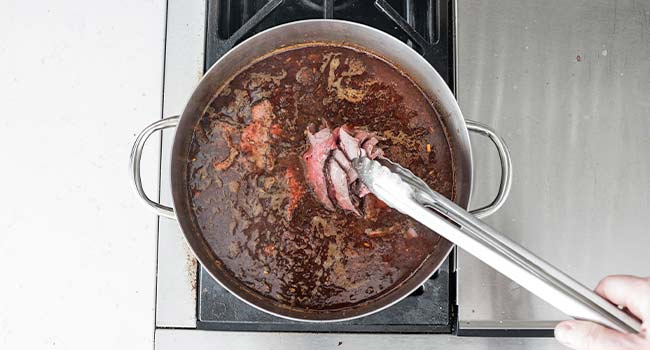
247	181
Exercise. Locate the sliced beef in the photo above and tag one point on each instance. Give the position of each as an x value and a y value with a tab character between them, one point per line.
369	146
320	145
335	181
362	143
340	189
361	135
349	144
376	153
363	152
346	164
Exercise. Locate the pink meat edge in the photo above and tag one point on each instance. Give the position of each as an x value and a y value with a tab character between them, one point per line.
369	144
361	135
377	153
339	182
315	158
349	145
345	163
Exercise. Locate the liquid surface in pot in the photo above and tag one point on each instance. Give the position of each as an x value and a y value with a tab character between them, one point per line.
250	197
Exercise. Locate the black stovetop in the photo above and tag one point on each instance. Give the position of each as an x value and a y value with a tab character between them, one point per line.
426	25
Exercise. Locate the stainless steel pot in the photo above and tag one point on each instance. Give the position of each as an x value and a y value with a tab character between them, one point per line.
330	31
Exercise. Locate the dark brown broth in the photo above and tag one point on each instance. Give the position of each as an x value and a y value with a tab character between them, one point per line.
317	259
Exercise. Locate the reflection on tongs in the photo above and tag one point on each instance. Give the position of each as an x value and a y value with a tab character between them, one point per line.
402	190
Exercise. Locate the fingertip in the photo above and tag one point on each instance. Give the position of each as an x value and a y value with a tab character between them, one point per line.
563	332
614	281
627	291
588	335
577	334
603	284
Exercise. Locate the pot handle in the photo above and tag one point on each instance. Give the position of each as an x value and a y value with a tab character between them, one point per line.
506	168
134	164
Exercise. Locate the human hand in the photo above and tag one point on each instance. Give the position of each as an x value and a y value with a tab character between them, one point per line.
631	292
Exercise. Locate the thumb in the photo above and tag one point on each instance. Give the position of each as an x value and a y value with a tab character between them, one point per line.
584	335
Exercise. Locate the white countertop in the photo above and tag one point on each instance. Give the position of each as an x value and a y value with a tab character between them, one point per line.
78	80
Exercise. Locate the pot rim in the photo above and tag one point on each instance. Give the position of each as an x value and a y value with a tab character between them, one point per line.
194	246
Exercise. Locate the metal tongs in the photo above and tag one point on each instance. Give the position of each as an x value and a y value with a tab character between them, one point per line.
402	190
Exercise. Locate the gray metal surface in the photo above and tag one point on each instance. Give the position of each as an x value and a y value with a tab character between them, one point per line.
167	339
177	268
567	84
